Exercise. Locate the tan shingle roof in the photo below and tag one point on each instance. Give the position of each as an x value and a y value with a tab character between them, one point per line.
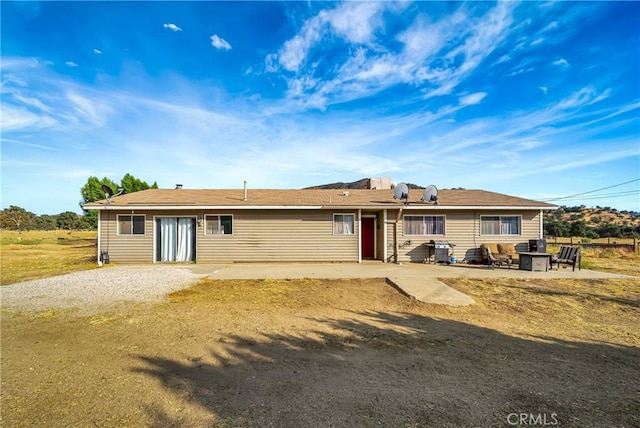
203	198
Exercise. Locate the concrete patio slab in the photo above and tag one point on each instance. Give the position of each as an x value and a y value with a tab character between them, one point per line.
429	290
416	280
381	270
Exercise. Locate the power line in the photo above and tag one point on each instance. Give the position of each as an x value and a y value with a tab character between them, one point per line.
591	191
609	195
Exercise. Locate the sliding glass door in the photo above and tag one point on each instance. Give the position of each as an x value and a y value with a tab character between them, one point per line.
175	239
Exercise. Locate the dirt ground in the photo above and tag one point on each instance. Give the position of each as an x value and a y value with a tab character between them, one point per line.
333	353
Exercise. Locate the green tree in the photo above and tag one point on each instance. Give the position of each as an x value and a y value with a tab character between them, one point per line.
67	220
556	228
132	184
592	234
16	218
45	222
82	223
578	228
91	192
610	230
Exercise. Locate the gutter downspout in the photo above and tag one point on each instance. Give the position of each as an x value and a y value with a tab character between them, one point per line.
98	243
396	245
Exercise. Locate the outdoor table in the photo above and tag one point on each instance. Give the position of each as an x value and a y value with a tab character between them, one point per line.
535	262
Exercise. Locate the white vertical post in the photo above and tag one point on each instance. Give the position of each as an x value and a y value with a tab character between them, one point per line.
359	236
541	225
384	235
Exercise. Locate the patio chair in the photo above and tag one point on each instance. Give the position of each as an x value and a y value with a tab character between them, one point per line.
568	256
508	250
496	260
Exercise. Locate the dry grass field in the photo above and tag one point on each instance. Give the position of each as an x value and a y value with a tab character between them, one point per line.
345	353
577	239
607	260
291	353
41	254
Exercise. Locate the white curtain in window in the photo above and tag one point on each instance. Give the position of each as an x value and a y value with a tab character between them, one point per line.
423	225
168	235
509	226
490	225
343	224
413	225
184	249
348	224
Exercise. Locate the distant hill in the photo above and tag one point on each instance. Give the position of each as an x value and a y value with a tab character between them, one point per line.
359	184
591	222
595	216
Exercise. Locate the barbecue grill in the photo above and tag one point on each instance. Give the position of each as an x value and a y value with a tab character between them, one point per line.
439	250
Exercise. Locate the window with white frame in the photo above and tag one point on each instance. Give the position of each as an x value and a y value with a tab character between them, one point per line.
500	225
131	224
423	225
219	225
344	224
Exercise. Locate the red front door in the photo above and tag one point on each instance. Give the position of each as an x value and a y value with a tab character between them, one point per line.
367	237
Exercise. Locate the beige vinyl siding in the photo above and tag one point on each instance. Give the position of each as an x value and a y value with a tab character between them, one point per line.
126	248
280	236
258	236
307	235
462	229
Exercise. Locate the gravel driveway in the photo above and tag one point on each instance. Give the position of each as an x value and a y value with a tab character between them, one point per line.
98	287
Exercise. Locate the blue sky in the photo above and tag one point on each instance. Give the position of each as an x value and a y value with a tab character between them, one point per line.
532	99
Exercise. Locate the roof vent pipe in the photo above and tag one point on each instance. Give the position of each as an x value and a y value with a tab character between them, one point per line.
245	191
178	186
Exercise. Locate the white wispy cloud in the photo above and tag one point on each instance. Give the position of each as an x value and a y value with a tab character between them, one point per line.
89	110
27	144
472	99
435	55
562	63
355	21
172	27
294	52
20	63
97	51
71	64
220	43
503	58
13	91
17	118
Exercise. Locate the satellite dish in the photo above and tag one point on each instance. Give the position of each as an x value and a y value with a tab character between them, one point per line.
401	191
107	191
430	194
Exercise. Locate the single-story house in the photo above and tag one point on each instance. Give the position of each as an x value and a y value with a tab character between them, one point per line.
267	225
